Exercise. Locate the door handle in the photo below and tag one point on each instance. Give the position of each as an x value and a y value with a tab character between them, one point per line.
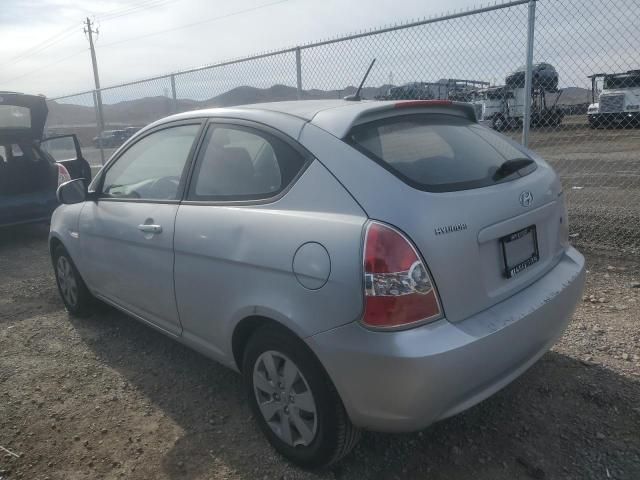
150	228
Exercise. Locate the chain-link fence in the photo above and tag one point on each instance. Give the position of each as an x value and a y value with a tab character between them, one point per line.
575	57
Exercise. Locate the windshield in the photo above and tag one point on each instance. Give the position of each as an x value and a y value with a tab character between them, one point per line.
439	152
622	81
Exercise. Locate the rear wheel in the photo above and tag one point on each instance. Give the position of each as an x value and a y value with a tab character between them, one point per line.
293	400
74	293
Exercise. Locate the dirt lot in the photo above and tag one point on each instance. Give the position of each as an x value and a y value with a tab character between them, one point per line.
107	397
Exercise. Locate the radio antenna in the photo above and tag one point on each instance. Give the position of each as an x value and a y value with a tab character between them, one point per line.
356	96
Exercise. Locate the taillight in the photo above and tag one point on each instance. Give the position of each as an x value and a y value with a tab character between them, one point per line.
63	174
398	289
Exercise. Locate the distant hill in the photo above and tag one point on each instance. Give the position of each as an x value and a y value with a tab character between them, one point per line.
145	110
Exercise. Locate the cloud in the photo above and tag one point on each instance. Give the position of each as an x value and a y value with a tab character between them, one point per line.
577	37
26	23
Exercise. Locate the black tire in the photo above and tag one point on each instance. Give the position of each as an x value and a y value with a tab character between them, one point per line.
335	435
499	123
81	304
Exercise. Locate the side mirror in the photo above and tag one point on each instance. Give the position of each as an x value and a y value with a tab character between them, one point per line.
74	191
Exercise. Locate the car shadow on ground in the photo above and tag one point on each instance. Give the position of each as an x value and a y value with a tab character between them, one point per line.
562	419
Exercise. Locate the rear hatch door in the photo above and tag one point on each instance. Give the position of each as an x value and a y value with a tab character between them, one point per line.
22	117
487	216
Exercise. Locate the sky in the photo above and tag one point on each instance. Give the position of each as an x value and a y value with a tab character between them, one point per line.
43	49
236	29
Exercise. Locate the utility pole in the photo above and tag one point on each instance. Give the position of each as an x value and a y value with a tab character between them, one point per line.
100	118
528	77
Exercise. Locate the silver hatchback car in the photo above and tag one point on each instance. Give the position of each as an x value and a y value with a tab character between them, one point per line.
365	265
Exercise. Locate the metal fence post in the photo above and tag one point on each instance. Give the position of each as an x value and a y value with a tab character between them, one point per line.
97	105
174	105
526	122
299	73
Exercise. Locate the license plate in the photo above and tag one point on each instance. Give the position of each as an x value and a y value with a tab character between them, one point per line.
519	250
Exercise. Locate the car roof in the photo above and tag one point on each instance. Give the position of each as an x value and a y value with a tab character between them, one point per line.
304	109
335	116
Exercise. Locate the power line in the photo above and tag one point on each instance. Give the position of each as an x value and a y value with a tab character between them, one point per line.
138	7
35	47
131	9
46	66
130	6
49	42
67	32
232	14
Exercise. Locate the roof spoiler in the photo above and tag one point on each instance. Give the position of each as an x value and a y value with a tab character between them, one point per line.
338	122
466	108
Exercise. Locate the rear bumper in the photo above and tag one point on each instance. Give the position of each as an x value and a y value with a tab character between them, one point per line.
403	381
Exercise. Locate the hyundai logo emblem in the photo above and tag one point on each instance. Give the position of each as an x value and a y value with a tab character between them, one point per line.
526	199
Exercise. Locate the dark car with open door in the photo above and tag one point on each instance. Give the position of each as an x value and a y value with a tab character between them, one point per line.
32	168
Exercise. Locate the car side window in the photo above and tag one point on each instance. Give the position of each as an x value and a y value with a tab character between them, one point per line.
152	168
242	163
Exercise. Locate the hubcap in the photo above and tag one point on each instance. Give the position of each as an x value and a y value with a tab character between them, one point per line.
67	281
285	399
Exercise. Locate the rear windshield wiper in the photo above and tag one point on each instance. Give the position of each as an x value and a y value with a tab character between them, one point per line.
511	166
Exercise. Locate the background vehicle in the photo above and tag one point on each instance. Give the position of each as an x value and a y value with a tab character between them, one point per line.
617	101
110	139
503	106
130	131
30	168
410	91
449	89
378	265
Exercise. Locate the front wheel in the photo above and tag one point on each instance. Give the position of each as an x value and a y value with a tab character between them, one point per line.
74	293
293	400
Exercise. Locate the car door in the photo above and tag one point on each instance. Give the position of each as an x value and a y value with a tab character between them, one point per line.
228	246
65	150
126	234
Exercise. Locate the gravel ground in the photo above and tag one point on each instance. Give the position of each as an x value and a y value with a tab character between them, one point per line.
107	397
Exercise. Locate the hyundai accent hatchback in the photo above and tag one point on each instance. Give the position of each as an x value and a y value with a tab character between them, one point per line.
364	265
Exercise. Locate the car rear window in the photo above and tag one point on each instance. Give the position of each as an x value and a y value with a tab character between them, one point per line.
437	152
12	116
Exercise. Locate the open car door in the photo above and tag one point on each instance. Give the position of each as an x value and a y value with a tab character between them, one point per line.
65	149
